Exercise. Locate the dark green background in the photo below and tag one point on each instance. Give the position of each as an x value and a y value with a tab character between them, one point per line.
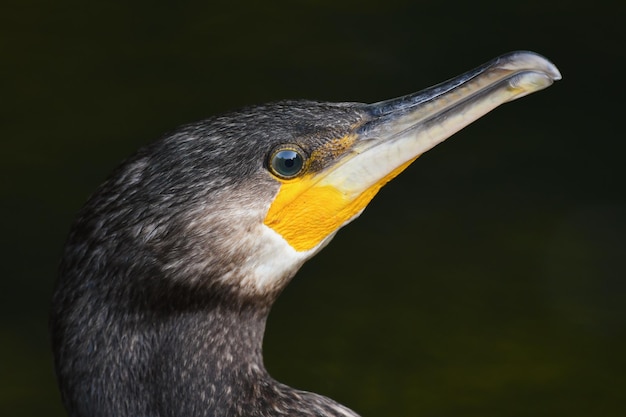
487	280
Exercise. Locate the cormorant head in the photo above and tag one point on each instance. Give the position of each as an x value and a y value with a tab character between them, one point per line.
238	202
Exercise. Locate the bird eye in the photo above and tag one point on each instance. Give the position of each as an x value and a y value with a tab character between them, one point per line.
287	162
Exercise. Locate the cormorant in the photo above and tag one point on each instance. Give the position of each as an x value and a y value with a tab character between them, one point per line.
172	266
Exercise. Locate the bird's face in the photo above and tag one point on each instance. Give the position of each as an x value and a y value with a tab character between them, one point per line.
325	187
273	184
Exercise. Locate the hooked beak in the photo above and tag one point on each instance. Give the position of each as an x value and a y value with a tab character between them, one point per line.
310	210
401	129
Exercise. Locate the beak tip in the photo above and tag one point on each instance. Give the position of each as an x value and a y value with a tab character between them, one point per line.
528	61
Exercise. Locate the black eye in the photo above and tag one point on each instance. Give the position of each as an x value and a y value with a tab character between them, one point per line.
287	162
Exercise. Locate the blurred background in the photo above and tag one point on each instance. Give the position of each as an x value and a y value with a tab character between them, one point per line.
487	280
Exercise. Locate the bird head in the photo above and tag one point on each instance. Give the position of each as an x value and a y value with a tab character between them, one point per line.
237	203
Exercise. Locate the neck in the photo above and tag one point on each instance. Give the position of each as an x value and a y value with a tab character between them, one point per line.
209	364
179	359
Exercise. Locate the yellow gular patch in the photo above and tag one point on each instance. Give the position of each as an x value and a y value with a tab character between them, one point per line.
304	212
